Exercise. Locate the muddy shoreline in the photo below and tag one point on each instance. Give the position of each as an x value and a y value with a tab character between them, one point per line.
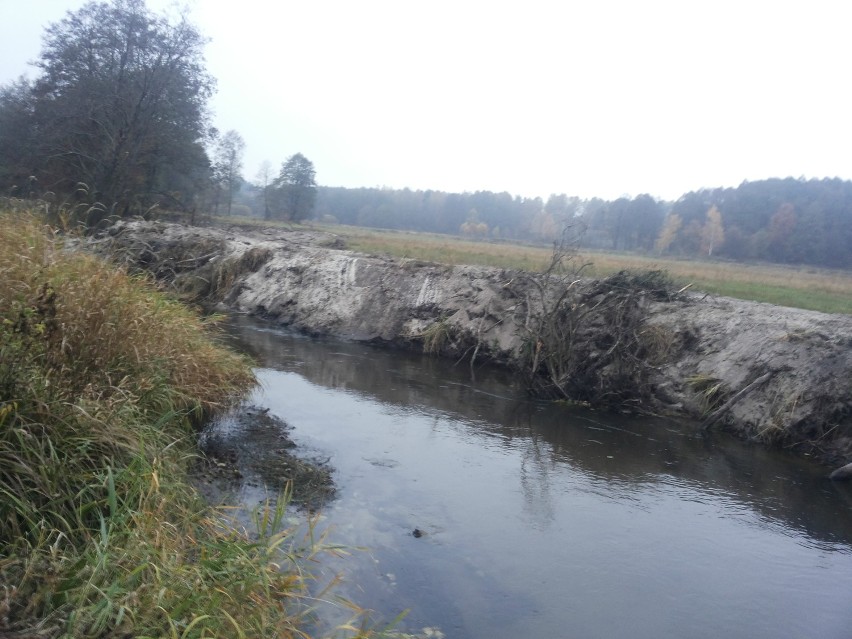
249	447
765	373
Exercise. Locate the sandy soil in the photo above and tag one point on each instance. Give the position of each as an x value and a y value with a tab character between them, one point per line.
768	373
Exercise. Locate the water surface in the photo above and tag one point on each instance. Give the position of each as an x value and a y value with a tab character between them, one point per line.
544	521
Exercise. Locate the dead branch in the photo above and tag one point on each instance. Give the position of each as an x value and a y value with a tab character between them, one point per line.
717	414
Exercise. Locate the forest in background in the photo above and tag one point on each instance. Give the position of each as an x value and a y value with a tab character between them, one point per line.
788	221
117	123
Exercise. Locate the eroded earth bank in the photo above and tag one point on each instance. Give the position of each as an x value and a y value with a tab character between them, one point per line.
628	343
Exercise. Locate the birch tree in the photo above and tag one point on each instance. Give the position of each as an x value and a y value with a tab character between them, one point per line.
713	231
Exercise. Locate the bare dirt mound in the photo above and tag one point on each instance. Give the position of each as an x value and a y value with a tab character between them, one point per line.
768	373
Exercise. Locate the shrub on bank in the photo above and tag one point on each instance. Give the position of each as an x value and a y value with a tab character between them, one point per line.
101	533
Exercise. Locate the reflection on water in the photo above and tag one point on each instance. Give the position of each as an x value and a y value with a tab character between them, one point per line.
545	521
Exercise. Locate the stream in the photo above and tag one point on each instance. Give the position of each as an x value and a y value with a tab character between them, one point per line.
487	515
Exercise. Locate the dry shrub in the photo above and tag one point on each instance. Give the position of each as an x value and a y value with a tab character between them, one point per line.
590	342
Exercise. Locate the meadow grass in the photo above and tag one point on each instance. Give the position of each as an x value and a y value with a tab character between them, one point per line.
102	382
825	290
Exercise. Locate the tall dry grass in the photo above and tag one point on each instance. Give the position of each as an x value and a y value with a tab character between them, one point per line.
101	532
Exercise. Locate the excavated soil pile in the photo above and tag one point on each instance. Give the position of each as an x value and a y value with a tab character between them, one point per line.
769	373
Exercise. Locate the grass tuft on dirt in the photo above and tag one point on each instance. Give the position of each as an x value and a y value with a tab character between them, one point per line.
102	379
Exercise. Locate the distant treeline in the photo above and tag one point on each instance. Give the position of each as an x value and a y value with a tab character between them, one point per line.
117	123
776	220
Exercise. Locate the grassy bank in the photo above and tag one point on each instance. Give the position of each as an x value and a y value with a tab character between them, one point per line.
101	533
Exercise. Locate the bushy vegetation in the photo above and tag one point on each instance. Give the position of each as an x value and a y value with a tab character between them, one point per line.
101	534
589	342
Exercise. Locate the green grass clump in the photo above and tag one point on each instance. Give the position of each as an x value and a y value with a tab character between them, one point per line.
102	379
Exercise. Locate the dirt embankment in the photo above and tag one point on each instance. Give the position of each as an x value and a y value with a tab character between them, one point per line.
768	373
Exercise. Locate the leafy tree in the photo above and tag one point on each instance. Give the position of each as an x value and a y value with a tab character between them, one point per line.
473	227
646	217
628	224
689	238
713	232
229	165
561	207
120	106
668	233
544	226
618	222
781	239
295	188
736	243
692	207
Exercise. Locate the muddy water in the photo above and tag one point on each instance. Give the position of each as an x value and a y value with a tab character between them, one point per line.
543	521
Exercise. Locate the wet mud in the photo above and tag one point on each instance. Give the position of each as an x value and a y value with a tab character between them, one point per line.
250	447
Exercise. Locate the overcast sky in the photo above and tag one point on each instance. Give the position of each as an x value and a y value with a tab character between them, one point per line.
596	98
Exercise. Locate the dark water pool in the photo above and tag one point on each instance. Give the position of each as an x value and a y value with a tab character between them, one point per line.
543	521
